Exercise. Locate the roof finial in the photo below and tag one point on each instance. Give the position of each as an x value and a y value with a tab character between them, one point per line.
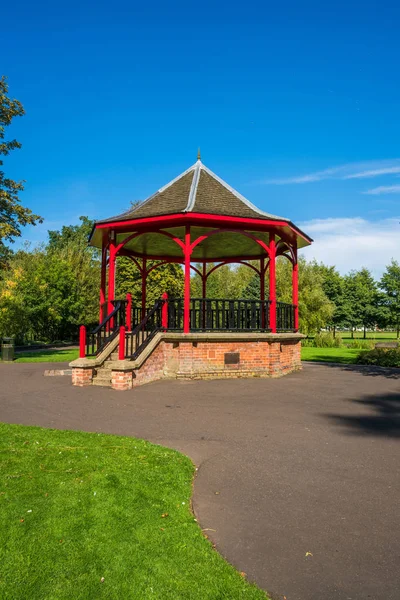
198	154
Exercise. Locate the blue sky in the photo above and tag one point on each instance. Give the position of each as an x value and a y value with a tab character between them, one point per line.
294	104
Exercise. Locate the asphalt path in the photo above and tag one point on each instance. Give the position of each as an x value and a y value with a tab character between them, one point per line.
298	478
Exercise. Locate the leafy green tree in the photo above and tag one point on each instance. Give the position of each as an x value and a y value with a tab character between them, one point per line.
333	286
390	284
167	278
46	293
13	215
315	309
362	300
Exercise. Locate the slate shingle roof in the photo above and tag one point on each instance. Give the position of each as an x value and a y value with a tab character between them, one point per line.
196	190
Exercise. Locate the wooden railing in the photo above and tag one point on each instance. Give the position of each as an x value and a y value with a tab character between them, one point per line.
137	339
100	336
220	315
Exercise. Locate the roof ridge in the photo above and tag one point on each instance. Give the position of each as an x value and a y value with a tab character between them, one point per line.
193	187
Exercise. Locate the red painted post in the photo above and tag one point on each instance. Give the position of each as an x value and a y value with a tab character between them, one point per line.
128	317
272	285
144	287
262	291
111	276
103	281
295	290
204	292
121	349
164	312
82	341
186	296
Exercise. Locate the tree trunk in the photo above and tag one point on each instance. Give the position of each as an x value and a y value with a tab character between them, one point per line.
334	331
365	333
352	333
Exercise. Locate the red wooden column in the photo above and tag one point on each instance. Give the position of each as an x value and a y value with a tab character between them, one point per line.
144	287
111	275
204	293
186	294
295	289
128	314
272	284
103	278
262	290
164	312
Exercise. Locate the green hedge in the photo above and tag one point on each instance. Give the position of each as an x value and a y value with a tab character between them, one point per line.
383	357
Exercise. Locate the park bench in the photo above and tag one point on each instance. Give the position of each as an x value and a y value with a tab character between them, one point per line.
392	345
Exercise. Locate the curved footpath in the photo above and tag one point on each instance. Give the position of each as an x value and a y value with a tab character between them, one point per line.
299	476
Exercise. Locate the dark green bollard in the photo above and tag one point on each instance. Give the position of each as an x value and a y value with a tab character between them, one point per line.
7	350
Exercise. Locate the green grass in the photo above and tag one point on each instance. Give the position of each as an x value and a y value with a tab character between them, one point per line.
371	335
47	356
339	355
76	507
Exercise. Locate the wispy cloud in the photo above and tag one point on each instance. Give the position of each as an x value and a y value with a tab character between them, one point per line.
383	189
361	170
354	243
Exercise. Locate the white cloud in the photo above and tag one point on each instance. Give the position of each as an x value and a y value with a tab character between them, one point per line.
383	189
360	170
354	243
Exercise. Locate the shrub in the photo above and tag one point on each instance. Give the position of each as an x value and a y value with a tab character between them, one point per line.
361	344
327	340
382	357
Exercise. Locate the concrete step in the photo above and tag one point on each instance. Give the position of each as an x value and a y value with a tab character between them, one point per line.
114	356
101	382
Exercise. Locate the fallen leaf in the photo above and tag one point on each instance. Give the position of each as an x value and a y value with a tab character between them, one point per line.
21	520
242	573
308	554
102	580
216	493
162	528
164	515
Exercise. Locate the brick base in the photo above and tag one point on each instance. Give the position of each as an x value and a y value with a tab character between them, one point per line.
121	380
82	376
206	360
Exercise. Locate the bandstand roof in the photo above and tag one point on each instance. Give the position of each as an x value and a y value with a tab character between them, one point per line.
202	199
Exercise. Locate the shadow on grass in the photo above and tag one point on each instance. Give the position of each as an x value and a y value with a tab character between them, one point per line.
383	420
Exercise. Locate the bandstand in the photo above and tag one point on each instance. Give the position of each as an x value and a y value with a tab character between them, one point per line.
202	223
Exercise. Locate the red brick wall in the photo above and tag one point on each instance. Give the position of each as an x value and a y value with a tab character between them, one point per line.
202	360
82	376
121	380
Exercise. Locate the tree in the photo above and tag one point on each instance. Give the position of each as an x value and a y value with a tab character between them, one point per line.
13	215
333	286
362	299
390	284
167	278
47	292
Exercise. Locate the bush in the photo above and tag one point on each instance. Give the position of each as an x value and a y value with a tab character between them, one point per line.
382	357
361	344
327	340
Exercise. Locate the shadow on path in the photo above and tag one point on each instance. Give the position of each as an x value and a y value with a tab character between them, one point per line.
367	370
381	417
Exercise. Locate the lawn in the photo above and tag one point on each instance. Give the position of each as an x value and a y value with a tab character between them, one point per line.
47	356
339	355
91	516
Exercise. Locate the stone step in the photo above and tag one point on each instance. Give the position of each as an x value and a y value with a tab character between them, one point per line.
114	356
101	382
103	376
